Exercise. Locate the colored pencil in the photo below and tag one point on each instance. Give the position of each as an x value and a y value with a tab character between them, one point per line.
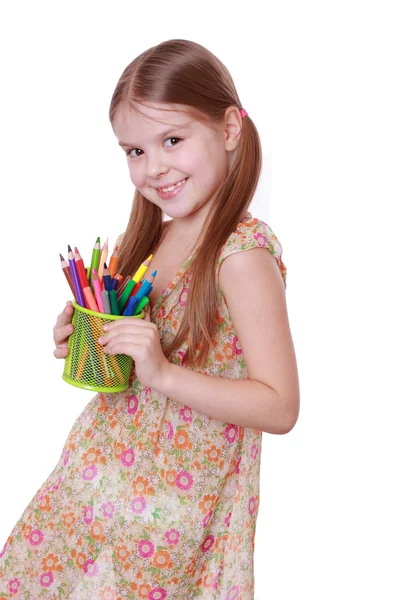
113	262
130	307
80	267
114	302
106	302
67	272
136	288
90	300
78	289
97	290
103	259
122	286
145	300
95	259
138	276
126	293
107	279
146	285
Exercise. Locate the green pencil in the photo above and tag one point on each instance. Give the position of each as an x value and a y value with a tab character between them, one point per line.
95	260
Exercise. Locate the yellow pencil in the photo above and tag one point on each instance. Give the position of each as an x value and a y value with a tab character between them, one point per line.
138	276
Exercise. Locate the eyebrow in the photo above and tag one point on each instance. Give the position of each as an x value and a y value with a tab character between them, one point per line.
162	134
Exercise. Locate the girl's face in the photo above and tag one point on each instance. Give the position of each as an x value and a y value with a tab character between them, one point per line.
166	148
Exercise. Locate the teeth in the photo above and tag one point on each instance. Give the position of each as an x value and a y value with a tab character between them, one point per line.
172	187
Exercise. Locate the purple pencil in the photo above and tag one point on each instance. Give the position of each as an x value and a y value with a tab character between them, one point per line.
75	278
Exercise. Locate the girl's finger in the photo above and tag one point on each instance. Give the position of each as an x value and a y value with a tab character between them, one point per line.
62	333
125	344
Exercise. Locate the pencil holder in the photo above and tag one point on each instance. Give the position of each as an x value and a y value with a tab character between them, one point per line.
87	366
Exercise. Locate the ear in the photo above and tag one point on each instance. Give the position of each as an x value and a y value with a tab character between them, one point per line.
232	127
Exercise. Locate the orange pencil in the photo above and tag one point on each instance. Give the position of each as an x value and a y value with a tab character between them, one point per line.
89	299
112	267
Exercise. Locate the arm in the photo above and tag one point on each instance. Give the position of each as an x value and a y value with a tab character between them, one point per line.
269	399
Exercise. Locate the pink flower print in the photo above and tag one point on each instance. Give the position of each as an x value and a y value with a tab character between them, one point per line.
4	550
208	543
169	430
91	568
236	346
252	505
146	548
128	457
231	433
182	355
233	593
66	457
157	594
108	509
36	537
183	297
57	485
227	519
13	586
138	505
261	240
186	414
89	473
214	583
184	480
44	493
88	515
237	465
253	452
46	579
207	519
172	536
132	404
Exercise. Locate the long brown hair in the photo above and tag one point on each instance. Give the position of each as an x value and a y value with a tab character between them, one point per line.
184	72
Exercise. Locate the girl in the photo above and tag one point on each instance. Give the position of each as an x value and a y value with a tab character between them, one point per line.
156	492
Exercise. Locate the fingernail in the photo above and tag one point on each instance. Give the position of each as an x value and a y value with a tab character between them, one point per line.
106	327
100	340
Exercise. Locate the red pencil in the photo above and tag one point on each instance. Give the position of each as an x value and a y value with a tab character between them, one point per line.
80	267
67	272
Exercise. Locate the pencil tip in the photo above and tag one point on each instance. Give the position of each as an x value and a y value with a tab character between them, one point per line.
61	257
69	248
154	273
98	241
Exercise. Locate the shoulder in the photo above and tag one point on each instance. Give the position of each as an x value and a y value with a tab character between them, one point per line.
251	233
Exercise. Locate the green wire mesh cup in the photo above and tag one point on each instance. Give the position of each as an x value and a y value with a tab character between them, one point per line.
87	366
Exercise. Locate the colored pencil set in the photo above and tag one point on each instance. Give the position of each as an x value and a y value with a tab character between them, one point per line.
100	288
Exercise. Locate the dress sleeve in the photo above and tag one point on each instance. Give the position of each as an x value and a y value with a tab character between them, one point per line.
253	233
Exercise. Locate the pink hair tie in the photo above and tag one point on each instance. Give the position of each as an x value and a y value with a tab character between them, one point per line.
243	113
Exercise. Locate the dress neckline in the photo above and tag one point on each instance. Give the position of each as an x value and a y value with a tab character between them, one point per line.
178	276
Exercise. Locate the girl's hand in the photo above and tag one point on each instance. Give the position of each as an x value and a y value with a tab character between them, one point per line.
138	338
62	330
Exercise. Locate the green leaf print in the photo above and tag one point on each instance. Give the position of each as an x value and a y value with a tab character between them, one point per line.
182	500
90	540
61	591
155	513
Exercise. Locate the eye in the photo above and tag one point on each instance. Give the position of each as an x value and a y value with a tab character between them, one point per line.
176	139
128	152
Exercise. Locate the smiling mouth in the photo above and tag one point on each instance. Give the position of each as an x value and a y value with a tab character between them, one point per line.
171	188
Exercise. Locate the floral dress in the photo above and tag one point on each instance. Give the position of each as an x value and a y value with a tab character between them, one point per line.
150	499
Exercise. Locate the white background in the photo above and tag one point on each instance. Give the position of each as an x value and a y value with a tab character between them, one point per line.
320	80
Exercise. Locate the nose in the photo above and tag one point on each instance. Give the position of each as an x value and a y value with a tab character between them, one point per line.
156	165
